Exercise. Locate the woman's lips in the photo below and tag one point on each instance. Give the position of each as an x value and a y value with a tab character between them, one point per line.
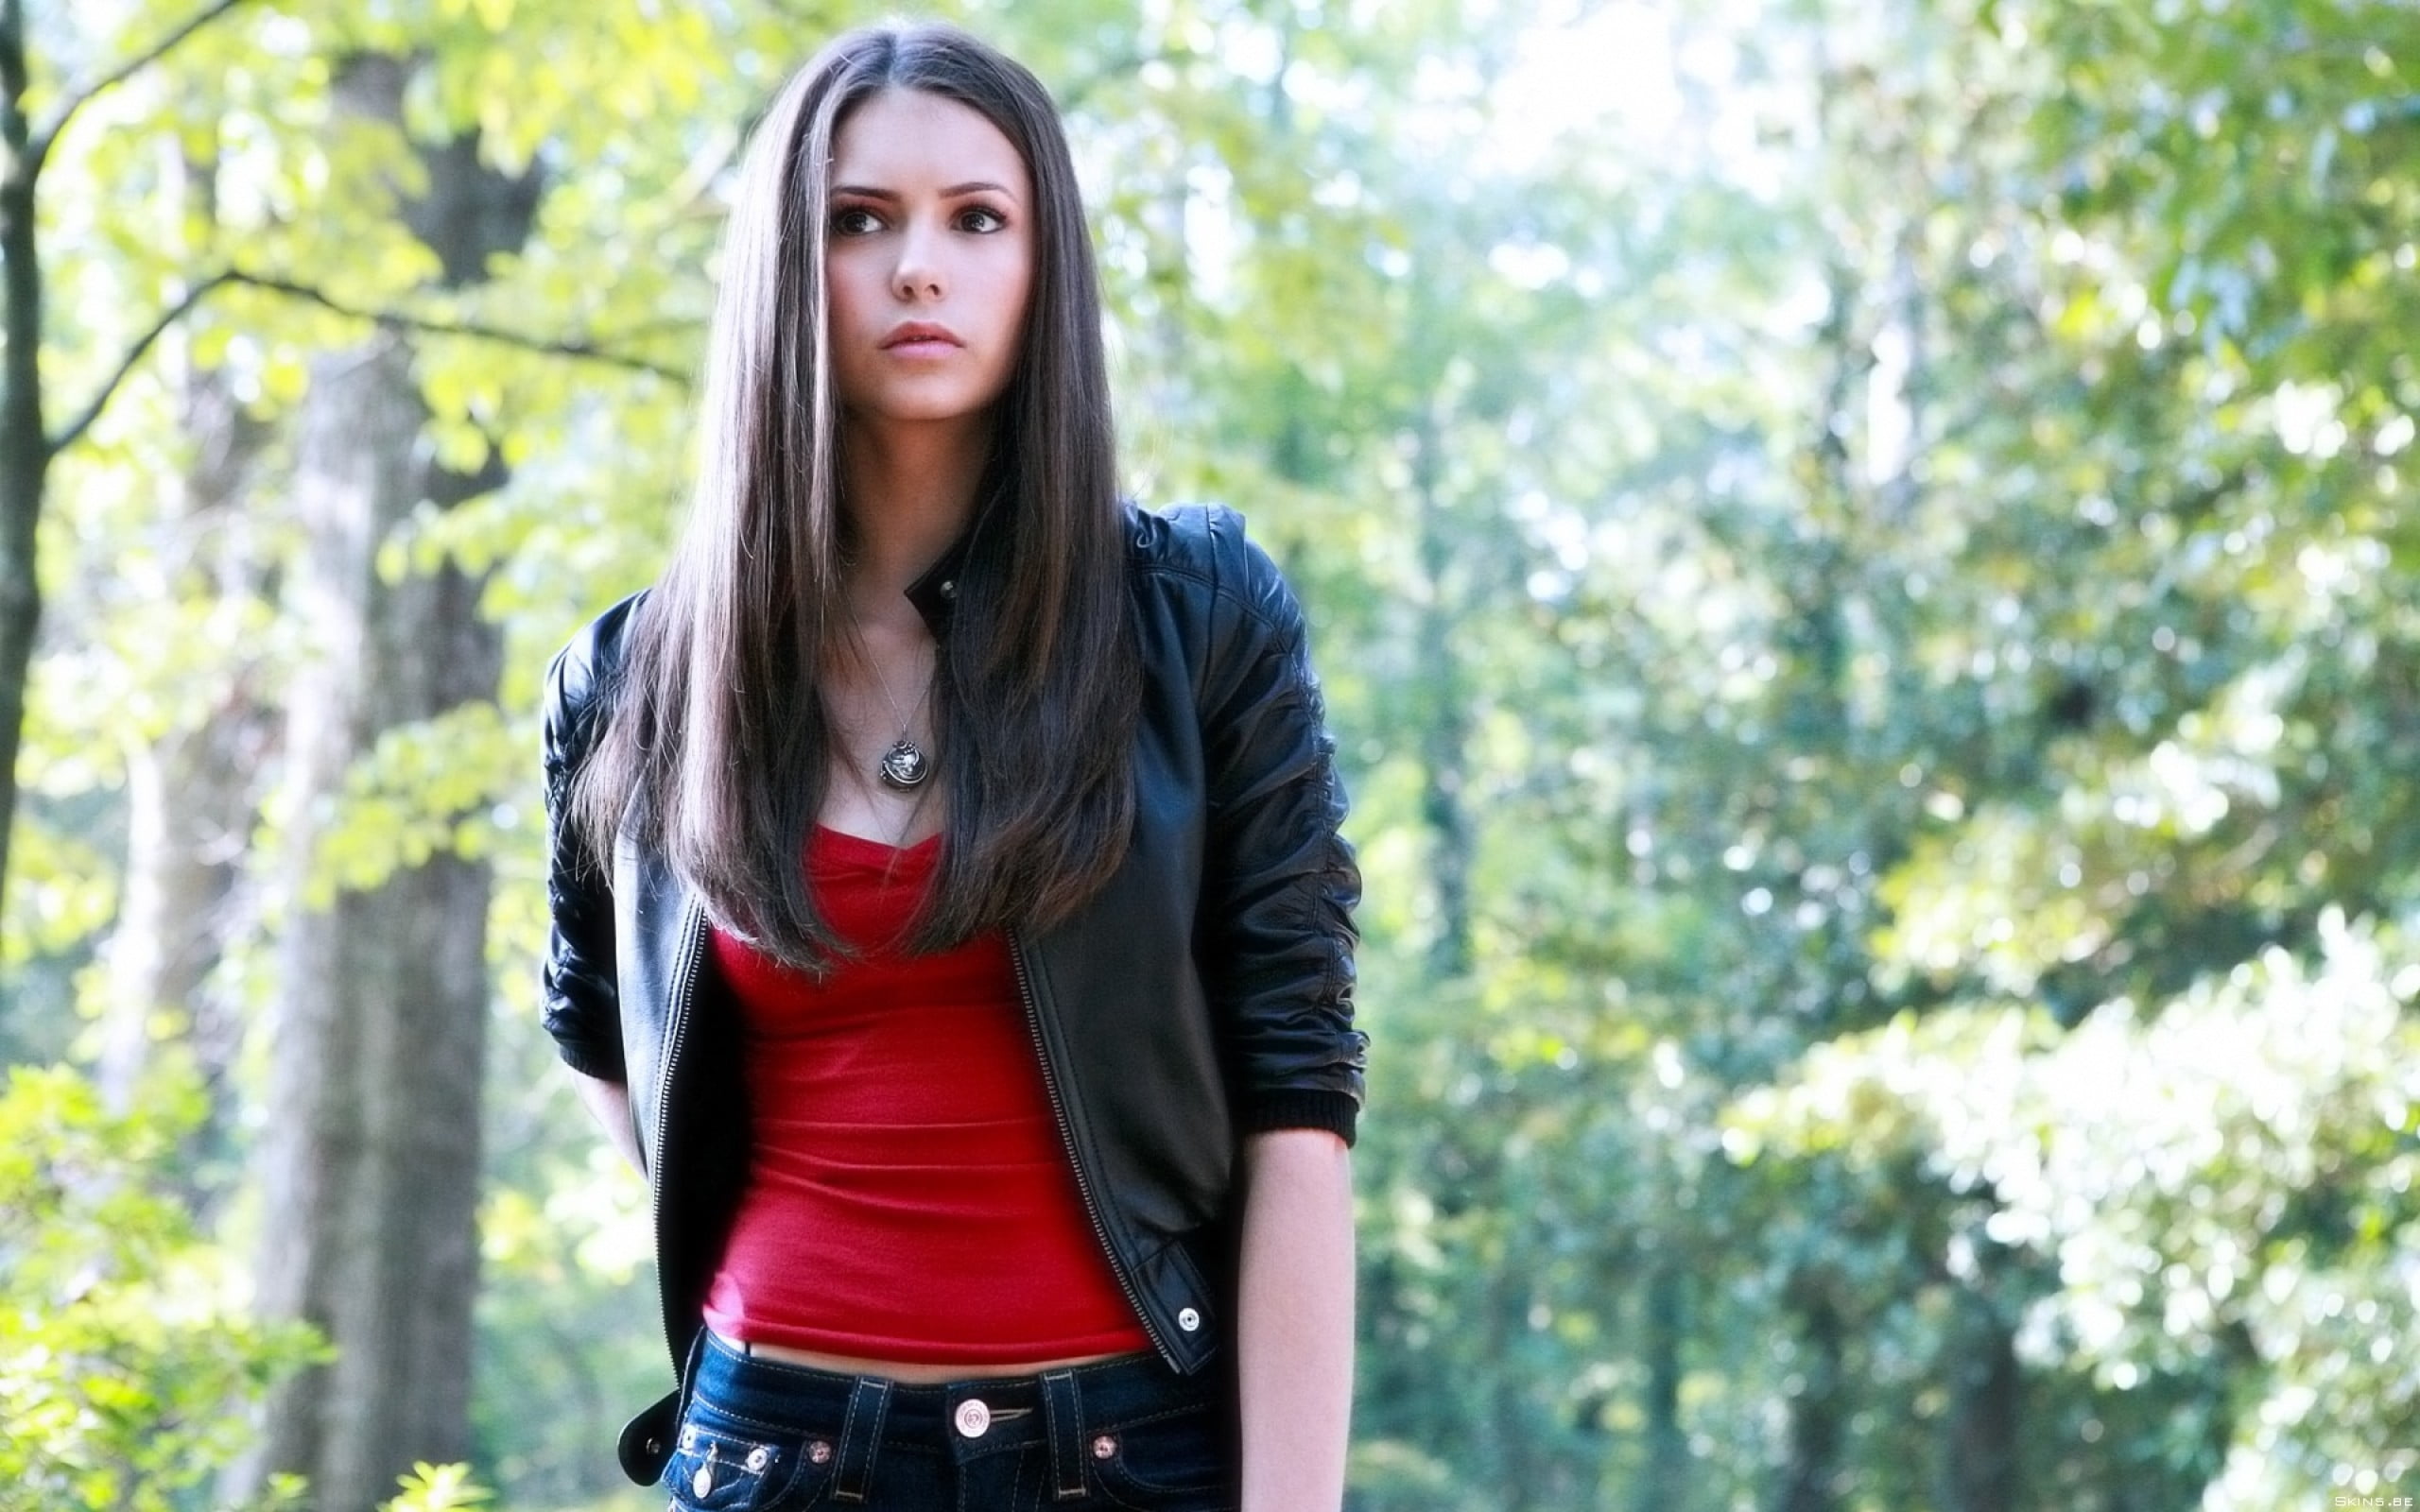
917	340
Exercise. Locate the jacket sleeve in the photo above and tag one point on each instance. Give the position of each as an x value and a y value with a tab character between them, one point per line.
1279	881
578	978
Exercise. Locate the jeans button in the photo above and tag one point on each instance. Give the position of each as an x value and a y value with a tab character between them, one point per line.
972	1417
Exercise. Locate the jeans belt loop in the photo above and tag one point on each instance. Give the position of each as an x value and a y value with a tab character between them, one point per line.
1063	1419
860	1438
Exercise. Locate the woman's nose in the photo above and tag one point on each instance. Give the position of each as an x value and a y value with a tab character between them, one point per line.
917	275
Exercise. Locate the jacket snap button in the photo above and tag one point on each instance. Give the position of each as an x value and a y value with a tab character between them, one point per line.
949	588
819	1452
689	1438
1104	1446
1188	1320
758	1458
973	1418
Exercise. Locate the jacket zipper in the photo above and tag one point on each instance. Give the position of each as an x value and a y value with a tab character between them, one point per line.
684	995
1075	1158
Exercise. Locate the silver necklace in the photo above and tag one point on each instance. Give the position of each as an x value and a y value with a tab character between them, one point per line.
905	766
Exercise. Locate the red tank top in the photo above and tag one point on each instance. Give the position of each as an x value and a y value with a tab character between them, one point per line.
908	1196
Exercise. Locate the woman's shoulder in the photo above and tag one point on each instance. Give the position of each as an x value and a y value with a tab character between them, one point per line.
588	661
1204	550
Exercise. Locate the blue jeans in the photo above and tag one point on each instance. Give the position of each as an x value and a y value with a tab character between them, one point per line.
762	1435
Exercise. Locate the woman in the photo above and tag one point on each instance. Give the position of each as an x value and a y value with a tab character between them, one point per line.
949	913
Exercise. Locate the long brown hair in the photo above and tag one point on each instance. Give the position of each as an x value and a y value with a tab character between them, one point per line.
717	748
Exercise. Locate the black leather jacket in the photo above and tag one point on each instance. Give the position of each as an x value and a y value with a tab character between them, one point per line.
1204	994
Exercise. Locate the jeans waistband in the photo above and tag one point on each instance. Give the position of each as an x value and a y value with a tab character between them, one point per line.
758	1432
1113	1393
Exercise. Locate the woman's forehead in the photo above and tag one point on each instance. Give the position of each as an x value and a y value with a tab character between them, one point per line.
903	138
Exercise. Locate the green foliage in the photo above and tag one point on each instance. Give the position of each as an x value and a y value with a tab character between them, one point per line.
439	1489
567	1308
424	789
2226	1182
126	1357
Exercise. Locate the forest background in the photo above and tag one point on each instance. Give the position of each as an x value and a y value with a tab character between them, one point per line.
1862	559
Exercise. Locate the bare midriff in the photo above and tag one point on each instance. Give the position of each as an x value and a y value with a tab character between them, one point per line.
911	1372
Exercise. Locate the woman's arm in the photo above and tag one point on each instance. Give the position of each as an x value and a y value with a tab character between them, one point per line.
578	991
1294	1320
609	1102
1279	883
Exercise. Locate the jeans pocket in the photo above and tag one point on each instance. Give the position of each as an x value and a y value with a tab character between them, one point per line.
722	1463
1176	1463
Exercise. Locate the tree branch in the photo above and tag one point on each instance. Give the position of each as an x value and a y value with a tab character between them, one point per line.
77	99
384	320
399	320
92	410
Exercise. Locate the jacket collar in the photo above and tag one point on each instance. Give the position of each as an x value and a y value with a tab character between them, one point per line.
935	592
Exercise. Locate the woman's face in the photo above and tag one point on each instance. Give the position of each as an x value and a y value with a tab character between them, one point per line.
930	258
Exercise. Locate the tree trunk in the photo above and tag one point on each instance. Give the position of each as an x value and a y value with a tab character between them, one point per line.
370	1159
1819	1409
1664	1481
1444	736
189	806
25	443
190	798
1985	1401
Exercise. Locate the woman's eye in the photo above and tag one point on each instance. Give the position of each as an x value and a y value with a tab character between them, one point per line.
854	222
981	218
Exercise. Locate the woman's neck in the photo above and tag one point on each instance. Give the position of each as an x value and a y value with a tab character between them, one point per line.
912	494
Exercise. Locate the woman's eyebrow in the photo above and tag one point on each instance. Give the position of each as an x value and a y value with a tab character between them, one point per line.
972	186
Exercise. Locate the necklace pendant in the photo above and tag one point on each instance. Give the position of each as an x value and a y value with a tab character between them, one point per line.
904	766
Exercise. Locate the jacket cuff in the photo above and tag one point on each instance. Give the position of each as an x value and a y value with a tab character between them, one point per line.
603	1062
1339	1113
